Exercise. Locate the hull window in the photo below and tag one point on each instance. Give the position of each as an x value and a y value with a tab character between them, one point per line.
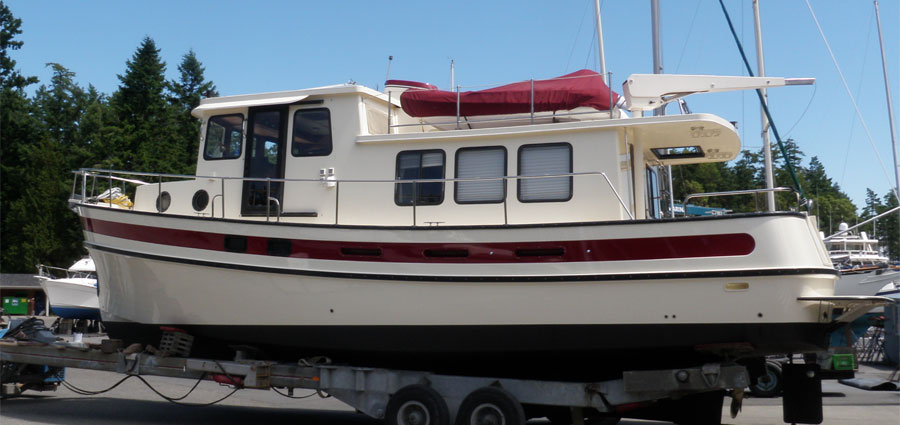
545	160
224	136
312	133
235	243
279	247
420	165
473	163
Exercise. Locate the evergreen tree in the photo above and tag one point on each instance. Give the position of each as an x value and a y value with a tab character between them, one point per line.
61	106
144	140
10	78
18	130
46	230
187	91
889	227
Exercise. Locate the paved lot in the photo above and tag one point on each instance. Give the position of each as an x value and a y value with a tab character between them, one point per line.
132	402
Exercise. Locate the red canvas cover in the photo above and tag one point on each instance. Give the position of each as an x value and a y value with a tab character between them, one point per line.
580	88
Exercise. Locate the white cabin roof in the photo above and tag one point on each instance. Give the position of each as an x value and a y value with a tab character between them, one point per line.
212	104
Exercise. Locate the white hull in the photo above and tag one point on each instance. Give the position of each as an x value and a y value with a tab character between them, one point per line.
161	283
865	283
75	296
391	313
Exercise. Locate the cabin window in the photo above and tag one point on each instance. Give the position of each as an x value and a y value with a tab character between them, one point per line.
420	165
484	162
679	152
224	136
652	193
545	160
312	133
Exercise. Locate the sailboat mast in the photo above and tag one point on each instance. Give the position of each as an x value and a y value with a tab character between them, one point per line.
890	107
658	69
600	45
767	147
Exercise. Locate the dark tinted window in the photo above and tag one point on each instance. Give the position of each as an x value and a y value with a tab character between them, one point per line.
312	133
420	165
224	135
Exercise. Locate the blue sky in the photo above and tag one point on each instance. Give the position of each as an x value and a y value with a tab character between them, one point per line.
251	47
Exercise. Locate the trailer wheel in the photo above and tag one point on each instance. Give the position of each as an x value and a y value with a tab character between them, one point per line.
769	384
417	405
490	406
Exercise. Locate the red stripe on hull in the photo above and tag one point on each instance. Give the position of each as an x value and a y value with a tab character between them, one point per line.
655	248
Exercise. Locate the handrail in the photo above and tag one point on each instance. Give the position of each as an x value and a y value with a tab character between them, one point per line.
45	271
741	192
111	174
317	180
512	117
277	208
617	195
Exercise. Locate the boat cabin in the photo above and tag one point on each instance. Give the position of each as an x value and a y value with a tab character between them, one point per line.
350	155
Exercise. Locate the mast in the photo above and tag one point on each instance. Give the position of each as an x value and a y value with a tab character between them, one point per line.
658	69
600	45
890	107
767	147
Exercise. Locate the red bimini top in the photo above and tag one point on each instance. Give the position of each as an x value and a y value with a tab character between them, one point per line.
580	88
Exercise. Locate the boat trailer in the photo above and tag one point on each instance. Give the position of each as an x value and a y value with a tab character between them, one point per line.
688	395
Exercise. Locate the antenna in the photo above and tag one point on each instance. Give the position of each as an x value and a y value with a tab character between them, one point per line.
388	75
452	74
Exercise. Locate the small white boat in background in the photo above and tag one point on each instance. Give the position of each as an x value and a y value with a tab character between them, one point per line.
75	295
864	270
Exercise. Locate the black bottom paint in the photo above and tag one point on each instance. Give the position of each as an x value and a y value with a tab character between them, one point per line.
563	352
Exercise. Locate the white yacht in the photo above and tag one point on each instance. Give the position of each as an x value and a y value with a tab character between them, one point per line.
75	295
864	270
458	232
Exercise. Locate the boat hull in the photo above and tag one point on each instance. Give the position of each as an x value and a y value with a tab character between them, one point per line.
609	299
74	298
577	352
867	282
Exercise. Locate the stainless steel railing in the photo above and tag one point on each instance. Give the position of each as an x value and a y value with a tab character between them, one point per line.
754	192
117	176
51	272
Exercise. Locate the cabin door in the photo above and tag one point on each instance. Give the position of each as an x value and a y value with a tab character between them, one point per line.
264	159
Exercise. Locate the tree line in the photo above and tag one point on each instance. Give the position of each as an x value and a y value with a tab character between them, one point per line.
830	205
146	125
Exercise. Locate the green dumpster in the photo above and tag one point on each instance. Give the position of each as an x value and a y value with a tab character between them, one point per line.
15	305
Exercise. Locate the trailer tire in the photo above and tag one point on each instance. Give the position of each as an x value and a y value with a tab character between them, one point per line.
417	405
490	406
769	384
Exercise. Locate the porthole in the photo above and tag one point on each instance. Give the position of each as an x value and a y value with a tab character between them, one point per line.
163	201
200	201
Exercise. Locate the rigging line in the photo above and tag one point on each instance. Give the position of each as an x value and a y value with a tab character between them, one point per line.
577	34
811	98
862	70
853	100
765	107
688	38
591	49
